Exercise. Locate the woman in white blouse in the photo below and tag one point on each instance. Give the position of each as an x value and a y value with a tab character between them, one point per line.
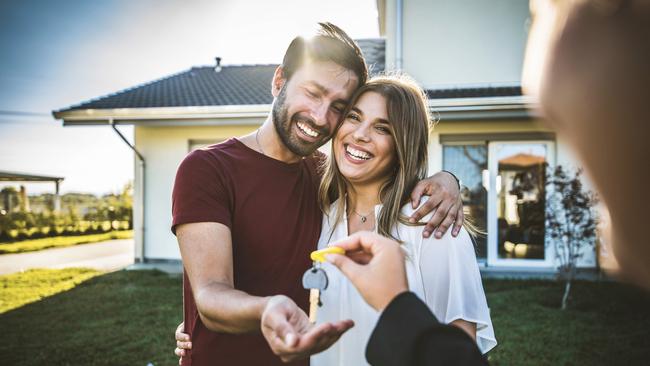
378	154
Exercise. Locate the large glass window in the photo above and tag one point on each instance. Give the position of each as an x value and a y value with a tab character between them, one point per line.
469	163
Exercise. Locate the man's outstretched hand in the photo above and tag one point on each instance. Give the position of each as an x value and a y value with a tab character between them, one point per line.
288	332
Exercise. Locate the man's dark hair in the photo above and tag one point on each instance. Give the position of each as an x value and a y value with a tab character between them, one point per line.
330	43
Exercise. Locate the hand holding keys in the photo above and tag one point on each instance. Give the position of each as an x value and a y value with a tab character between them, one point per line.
290	333
315	279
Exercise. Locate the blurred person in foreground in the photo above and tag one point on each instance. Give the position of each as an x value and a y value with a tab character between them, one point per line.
588	63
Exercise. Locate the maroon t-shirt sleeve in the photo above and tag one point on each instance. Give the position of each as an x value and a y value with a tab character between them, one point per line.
201	193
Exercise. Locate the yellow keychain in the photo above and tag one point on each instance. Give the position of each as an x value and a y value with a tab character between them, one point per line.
319	255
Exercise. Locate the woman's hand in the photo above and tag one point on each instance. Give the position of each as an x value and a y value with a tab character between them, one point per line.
182	342
444	201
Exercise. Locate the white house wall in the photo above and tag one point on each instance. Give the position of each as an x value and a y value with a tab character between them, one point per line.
163	149
459	42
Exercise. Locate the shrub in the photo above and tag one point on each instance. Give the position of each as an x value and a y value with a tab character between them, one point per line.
571	222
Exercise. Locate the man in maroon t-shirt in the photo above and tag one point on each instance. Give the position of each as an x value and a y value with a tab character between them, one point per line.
246	216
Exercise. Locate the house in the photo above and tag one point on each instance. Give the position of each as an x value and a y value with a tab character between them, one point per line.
468	56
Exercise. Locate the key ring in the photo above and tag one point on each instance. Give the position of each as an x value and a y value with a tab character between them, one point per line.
319	255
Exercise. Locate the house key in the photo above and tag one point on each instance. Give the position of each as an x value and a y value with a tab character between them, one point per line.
315	280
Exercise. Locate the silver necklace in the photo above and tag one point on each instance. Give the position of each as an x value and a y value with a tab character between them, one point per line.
364	218
257	134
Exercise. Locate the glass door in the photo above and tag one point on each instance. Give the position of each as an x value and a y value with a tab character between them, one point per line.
517	202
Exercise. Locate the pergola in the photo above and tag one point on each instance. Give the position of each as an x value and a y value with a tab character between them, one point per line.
6	176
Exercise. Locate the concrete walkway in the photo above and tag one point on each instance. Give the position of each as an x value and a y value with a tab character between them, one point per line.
109	255
172	267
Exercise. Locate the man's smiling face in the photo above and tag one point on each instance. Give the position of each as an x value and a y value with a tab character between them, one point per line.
308	107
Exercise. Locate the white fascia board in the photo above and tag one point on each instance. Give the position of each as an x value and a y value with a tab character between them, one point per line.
460	103
485	108
205	115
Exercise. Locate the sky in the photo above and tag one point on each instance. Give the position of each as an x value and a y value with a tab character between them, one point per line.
59	53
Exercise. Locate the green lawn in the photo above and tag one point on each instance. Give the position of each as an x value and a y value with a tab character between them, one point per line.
606	324
23	288
121	318
127	318
61	241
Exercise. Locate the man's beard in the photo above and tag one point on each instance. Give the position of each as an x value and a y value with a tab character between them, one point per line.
282	124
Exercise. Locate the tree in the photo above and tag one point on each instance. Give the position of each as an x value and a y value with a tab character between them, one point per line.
571	222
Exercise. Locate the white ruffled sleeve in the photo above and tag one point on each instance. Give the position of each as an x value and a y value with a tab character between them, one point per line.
452	284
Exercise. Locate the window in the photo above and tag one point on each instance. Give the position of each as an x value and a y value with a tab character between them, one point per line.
469	162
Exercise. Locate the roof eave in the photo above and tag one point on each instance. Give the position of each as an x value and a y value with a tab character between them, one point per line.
167	115
510	107
446	109
7	176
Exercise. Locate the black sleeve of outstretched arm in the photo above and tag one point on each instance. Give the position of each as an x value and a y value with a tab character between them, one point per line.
409	334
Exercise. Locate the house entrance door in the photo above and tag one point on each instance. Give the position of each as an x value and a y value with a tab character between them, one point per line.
517	202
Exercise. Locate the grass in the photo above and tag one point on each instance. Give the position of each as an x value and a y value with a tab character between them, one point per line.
61	241
128	318
23	288
121	318
606	324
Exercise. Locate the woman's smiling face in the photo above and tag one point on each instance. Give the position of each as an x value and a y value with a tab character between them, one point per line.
364	149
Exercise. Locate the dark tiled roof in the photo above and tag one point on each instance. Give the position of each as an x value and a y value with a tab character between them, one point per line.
203	86
199	86
247	85
474	92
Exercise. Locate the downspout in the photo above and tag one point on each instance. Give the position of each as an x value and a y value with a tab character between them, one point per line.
398	36
140	186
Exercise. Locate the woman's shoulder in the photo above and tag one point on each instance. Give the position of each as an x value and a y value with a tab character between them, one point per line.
448	242
408	210
413	230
